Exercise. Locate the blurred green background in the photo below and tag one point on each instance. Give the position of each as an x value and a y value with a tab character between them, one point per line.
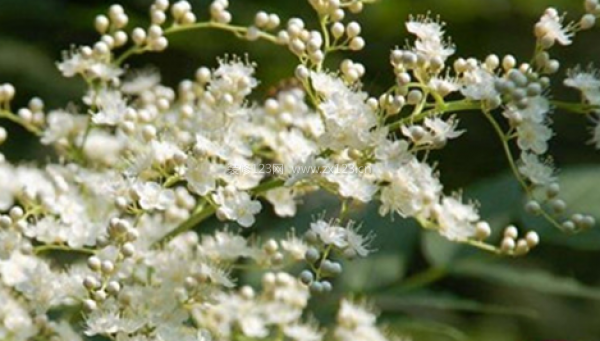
424	286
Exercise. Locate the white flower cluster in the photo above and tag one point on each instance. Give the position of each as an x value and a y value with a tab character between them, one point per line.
142	164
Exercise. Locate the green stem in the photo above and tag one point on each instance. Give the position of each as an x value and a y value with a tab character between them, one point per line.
515	170
54	247
237	30
16	119
462	105
207	211
577	108
507	152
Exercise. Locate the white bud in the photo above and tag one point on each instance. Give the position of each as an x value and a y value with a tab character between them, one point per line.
161	5
160	44
121	20
120	38
271	246
89	305
511	232
532	238
115	10
587	21
482	230
101	24
274	21
113	288
337	30
94	263
253	33
357	43
128	249
508	62
302	72
353	29
158	17
107	267
261	19
337	15
203	75
101	48
16	213
149	132
155	32
508	244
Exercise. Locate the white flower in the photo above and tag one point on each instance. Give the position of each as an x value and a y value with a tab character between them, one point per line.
236	205
302	332
354	315
112	108
551	27
478	84
430	43
234	78
352	184
19	268
456	219
139	81
539	173
61	125
226	246
152	196
533	136
201	176
357	242
582	80
411	191
330	234
295	246
283	201
443	130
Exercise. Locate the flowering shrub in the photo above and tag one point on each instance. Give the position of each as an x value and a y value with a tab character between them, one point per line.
142	165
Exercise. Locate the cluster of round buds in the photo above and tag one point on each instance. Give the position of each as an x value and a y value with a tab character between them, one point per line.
301	41
352	32
121	233
184	204
182	13
219	12
321	267
512	244
588	20
266	21
33	113
153	39
271	248
402	61
335	9
518	86
111	27
557	206
14	218
391	103
101	285
352	71
275	284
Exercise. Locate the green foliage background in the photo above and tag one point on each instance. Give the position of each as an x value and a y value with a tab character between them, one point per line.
423	285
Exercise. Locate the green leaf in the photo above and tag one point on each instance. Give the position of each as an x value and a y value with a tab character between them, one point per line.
440	301
427	330
525	278
580	189
375	271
